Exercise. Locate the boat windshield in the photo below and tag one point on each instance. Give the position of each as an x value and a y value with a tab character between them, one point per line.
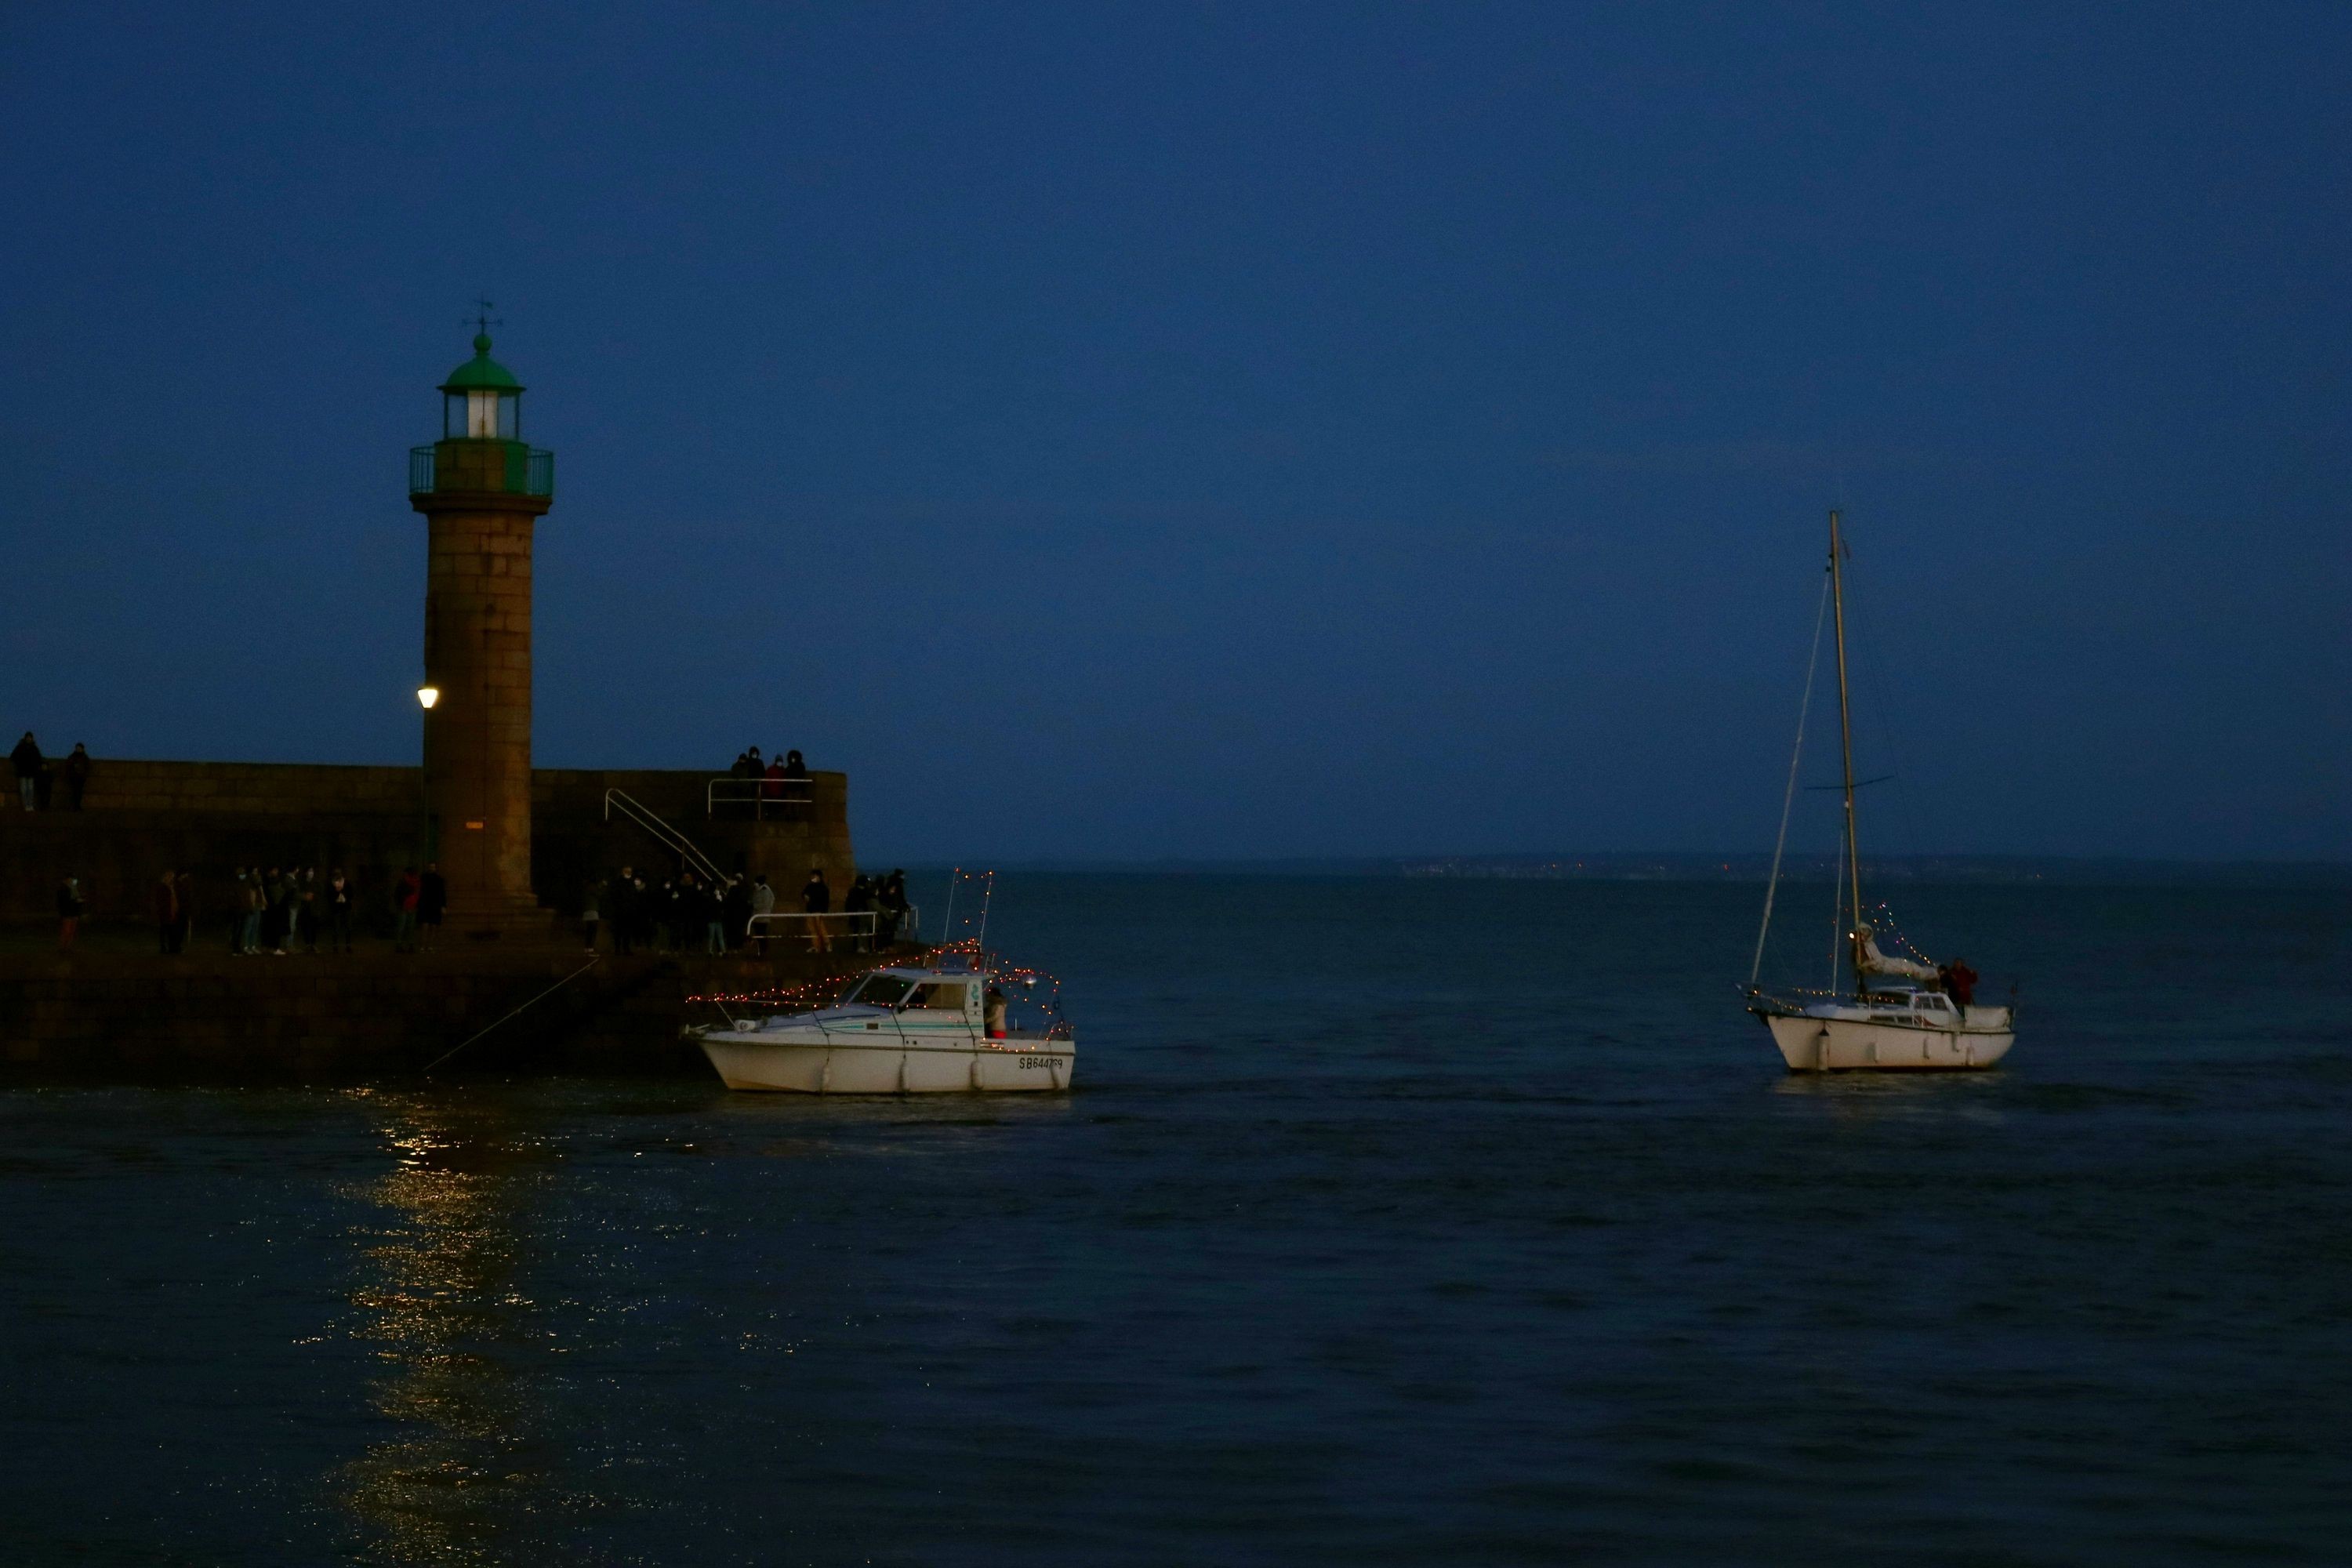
879	991
952	996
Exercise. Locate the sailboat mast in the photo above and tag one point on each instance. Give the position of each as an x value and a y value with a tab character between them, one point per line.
1845	724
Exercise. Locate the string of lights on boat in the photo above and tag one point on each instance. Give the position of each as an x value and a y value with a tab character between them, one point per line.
1880	918
811	995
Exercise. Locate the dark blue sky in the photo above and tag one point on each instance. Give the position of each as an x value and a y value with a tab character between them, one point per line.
1138	431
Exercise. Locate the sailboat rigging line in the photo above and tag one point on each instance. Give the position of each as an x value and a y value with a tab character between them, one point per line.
1837	916
1789	795
1858	784
1845	730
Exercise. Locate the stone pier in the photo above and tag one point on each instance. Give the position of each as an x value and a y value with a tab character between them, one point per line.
374	1017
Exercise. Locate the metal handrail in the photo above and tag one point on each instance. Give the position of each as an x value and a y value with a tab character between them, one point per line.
676	843
908	926
754	791
752	926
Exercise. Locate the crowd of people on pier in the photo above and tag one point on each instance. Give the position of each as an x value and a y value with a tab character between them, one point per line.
44	784
280	912
785	780
684	912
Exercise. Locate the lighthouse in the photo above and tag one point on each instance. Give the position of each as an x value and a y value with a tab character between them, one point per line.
481	490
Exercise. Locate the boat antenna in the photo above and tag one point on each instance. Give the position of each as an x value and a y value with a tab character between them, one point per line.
987	897
1789	795
947	921
1845	728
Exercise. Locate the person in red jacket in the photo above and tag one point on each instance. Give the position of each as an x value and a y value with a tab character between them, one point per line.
68	912
404	908
772	786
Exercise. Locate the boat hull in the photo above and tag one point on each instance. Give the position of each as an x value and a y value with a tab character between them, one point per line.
828	1066
1810	1043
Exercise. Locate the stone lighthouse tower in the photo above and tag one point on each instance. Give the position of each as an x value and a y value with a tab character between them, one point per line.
480	489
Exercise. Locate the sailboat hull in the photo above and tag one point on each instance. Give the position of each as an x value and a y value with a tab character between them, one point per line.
1811	1042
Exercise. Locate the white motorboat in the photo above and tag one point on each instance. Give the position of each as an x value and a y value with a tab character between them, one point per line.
1904	1010
945	1026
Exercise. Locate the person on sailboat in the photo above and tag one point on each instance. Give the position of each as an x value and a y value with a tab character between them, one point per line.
1868	959
1959	983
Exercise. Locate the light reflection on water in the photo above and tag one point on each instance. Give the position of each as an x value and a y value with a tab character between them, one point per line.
437	1286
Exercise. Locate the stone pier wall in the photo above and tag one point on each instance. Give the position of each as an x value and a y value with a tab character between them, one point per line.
366	1018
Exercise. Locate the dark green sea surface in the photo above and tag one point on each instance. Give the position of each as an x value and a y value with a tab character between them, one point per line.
1394	1222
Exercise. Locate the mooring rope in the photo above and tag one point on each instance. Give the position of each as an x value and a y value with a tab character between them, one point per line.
542	996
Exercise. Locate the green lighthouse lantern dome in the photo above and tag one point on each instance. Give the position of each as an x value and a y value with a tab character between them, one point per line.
481	401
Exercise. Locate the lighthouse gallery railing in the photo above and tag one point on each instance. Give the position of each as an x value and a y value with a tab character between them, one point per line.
512	468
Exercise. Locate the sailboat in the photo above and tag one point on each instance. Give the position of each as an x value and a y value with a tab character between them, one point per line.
1903	1012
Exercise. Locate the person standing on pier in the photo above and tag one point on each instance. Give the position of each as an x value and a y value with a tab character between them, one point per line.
734	913
624	911
432	899
816	899
77	775
763	902
404	911
68	912
239	942
164	902
590	915
714	923
306	911
771	787
256	904
183	890
339	911
858	900
277	910
26	760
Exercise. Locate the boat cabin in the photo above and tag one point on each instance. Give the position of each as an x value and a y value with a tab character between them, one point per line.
1908	1003
924	992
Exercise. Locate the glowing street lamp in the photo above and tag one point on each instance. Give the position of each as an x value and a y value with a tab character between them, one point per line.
426	696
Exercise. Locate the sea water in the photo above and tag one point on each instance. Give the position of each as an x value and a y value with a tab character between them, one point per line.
1392	1221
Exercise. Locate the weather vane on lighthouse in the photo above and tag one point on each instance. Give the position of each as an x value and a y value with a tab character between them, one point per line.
483	321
